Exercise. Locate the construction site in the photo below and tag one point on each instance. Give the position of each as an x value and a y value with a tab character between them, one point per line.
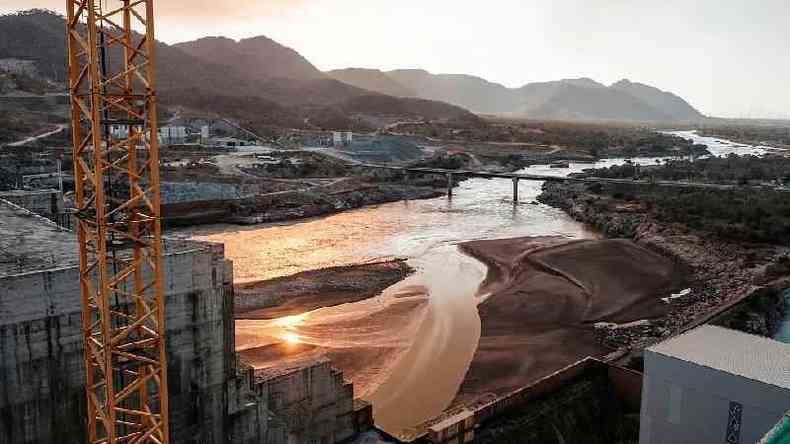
111	333
150	290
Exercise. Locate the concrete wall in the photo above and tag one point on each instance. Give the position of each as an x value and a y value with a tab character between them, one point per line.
47	203
212	398
583	402
684	402
316	403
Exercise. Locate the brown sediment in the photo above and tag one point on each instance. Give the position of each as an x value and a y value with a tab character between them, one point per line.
327	287
364	339
545	294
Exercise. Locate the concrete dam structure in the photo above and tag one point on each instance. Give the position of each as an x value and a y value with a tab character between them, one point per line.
214	396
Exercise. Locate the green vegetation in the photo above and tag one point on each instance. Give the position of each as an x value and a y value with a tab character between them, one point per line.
728	170
777	134
738	215
744	215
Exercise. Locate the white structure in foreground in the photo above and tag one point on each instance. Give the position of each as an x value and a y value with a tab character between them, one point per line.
714	385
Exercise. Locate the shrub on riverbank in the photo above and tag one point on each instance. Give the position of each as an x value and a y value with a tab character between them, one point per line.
732	169
748	215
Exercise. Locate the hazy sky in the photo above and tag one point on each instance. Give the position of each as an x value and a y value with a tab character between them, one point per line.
727	57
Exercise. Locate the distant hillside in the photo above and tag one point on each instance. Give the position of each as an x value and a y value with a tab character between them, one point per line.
372	80
378	104
666	102
473	93
574	99
35	35
582	100
256	79
261	58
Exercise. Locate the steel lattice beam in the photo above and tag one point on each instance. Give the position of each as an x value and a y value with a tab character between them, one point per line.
116	171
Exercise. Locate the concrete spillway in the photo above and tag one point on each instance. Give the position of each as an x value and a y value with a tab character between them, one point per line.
214	398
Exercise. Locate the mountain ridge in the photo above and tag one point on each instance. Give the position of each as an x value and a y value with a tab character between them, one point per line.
263	57
262	69
575	99
372	80
254	79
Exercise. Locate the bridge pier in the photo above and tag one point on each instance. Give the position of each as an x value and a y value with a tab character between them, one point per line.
515	190
449	184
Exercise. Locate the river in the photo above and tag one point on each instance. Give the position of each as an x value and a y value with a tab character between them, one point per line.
434	349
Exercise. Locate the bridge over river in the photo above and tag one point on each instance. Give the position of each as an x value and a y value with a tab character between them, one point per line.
516	177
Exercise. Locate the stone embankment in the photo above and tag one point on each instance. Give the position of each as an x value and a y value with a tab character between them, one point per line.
290	205
733	283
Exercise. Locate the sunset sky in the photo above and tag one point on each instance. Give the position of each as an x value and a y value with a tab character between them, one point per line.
727	57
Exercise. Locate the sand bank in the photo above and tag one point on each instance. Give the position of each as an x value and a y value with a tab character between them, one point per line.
542	297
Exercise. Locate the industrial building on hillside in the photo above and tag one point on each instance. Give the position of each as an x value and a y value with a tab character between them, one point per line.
342	138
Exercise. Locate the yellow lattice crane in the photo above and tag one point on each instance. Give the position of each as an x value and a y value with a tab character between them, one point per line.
116	173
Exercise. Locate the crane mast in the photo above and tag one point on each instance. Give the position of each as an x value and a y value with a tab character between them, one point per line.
117	197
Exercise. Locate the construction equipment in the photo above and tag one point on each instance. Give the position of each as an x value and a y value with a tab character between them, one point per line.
111	75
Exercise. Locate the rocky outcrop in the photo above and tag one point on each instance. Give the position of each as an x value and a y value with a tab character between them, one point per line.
761	315
734	283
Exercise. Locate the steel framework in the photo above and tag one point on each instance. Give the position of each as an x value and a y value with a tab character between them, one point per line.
116	172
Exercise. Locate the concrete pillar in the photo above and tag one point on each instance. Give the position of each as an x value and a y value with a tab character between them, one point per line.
515	190
449	184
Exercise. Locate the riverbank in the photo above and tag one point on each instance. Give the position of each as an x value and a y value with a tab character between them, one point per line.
543	297
538	306
722	272
292	205
772	137
310	290
361	317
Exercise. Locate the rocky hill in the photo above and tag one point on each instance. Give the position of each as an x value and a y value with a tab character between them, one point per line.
568	99
35	35
263	58
372	80
470	92
666	102
255	80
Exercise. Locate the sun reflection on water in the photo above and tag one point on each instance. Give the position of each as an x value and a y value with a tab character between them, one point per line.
291	321
292	338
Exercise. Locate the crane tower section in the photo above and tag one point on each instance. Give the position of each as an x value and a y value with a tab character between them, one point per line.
117	198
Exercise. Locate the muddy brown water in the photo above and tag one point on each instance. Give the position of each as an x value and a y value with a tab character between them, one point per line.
424	353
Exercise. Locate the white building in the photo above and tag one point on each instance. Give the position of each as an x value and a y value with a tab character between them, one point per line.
337	138
713	384
172	134
119	131
342	138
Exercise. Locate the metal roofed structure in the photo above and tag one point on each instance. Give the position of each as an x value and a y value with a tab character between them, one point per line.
713	384
741	354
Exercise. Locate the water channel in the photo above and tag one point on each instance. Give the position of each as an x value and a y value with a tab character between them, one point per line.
433	348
